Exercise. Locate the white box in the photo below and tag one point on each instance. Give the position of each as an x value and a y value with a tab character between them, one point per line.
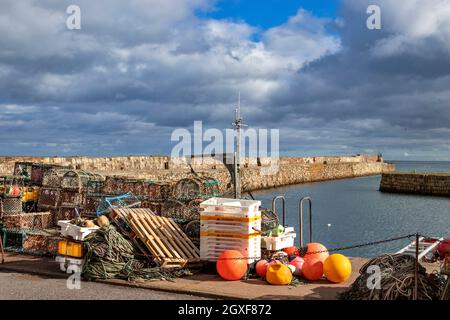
233	207
281	242
74	231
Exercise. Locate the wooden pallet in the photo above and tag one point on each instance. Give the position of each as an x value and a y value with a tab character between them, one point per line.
170	246
120	218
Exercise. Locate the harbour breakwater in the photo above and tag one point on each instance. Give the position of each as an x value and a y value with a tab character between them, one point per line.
436	184
255	172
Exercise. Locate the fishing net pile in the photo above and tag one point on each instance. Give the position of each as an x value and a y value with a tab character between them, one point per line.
109	255
397	281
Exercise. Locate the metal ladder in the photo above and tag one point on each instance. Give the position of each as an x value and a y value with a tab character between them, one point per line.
301	202
425	246
274	203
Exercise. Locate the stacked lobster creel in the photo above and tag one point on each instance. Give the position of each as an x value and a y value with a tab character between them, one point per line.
23	231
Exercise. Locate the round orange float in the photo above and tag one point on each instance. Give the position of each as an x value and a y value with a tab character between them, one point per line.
312	269
231	265
337	268
317	251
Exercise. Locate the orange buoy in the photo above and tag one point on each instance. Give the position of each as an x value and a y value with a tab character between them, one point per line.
298	264
312	269
261	268
279	274
316	250
231	265
337	268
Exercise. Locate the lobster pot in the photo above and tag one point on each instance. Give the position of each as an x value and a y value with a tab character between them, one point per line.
49	198
53	178
91	204
10	206
157	190
38	172
22	221
113	185
27	241
79	179
230	224
95	187
65	214
153	206
72	198
23	169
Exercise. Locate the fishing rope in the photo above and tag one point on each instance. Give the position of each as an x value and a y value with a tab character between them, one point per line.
109	255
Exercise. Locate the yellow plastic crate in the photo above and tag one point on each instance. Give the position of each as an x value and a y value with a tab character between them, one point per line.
69	248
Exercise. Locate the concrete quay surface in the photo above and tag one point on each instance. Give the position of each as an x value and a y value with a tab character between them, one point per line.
201	285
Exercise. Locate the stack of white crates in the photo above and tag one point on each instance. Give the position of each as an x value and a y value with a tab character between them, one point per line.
230	224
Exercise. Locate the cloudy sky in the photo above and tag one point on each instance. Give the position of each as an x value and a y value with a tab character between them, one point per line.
139	69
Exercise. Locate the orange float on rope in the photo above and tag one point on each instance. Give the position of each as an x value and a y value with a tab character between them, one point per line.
316	250
231	265
312	269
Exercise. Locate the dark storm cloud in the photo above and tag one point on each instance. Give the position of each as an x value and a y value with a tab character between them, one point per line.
137	70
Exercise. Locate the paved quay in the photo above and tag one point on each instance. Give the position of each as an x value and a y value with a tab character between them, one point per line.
202	285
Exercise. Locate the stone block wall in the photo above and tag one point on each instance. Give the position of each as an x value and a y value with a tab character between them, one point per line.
426	184
291	170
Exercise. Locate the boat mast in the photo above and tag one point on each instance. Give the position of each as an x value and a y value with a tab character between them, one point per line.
237	154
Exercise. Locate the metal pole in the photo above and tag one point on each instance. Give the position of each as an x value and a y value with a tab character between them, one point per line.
237	154
416	269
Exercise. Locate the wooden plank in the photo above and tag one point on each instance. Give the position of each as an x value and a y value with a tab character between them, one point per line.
154	236
154	248
163	237
184	246
174	241
172	252
154	252
183	236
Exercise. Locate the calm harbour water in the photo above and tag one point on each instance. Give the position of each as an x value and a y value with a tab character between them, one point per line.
357	212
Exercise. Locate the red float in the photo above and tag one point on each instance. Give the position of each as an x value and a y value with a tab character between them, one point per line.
298	264
444	248
312	269
261	267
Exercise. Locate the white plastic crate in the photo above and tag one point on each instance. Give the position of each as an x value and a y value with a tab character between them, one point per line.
232	207
281	242
74	231
230	226
212	247
72	264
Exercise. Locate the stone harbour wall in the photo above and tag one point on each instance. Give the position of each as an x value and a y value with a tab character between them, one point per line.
416	183
255	171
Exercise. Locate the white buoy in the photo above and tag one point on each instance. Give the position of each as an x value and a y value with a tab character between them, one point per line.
329	225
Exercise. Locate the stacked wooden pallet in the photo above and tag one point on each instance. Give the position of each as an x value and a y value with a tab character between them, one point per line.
162	237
